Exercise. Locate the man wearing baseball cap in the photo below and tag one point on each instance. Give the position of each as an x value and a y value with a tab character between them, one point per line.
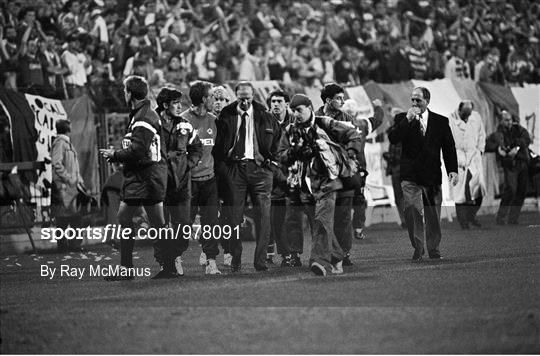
318	152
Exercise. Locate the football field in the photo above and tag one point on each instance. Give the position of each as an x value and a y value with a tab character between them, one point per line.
483	297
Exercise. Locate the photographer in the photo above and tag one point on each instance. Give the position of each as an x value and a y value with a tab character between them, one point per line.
318	151
510	143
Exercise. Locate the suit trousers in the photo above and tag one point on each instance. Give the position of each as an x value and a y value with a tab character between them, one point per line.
246	177
422	204
293	237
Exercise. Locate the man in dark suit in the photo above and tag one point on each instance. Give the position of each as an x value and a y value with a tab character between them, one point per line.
423	134
245	154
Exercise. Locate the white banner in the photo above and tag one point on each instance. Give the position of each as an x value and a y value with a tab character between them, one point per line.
47	112
528	99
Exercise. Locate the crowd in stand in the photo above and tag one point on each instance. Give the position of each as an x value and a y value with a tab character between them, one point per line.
63	48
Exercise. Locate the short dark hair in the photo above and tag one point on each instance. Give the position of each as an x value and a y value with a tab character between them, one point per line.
198	91
137	86
26	10
62	126
278	92
330	90
166	96
463	102
425	93
243	83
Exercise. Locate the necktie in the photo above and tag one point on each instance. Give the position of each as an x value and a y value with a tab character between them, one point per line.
422	129
240	146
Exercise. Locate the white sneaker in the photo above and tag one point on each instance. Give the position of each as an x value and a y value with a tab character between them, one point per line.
202	259
211	267
227	259
337	268
178	265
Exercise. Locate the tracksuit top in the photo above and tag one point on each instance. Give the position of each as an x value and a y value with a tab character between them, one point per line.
205	128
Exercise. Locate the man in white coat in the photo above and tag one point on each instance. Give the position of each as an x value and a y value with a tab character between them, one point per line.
470	137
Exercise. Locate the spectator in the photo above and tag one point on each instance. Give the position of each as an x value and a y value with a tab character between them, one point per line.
67	180
77	64
417	54
457	66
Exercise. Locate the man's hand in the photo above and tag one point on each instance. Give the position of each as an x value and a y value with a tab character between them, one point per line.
377	102
412	113
453	178
108	153
501	151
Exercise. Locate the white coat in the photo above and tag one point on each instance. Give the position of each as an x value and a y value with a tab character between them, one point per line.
470	138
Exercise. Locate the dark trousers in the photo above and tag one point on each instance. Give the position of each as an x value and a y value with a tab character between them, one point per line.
466	212
343	226
178	214
398	195
423	203
292	240
156	220
246	177
63	222
204	200
513	195
278	212
359	203
325	248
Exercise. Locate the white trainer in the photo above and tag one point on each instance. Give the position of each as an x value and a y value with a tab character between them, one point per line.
337	268
202	259
227	259
211	267
178	265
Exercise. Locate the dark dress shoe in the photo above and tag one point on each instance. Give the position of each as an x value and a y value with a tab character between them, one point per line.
163	274
417	256
118	278
287	261
476	223
465	226
296	261
347	261
436	256
513	222
236	263
261	268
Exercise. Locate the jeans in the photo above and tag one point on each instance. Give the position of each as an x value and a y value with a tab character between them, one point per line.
325	248
513	195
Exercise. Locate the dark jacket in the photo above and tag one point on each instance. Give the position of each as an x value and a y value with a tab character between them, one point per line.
279	185
266	128
145	171
183	151
420	157
365	128
323	127
516	136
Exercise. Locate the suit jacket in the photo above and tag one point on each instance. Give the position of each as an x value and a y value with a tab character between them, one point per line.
420	157
266	128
